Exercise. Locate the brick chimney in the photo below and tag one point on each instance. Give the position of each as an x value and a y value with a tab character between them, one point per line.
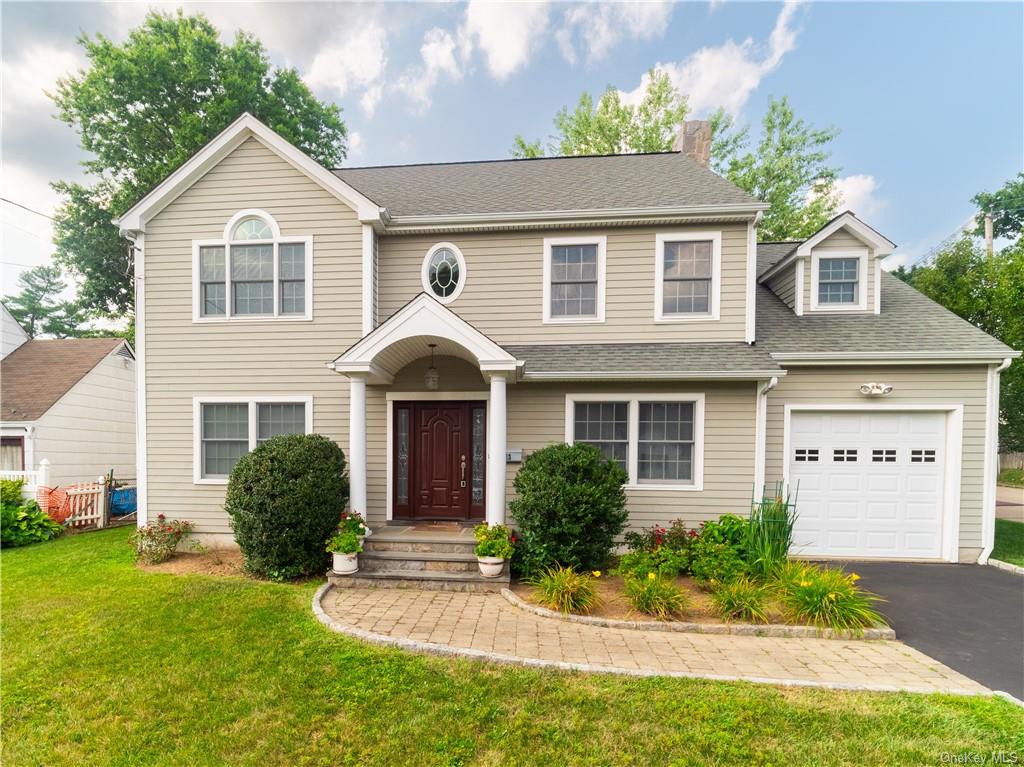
694	140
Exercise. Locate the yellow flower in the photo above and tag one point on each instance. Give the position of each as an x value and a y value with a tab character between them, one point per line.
596	573
832	596
854	577
651	576
805	583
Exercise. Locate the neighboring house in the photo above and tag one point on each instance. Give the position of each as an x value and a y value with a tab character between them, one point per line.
12	334
72	403
443	321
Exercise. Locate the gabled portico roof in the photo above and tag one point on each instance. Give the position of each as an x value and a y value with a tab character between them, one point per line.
407	335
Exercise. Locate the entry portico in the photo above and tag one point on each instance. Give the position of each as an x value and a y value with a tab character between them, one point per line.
411	333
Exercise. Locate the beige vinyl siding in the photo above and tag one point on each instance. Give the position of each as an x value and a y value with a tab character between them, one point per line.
244	358
504	285
952	385
841	241
91	429
783	285
536	417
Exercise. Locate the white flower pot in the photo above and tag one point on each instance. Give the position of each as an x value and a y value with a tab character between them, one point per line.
345	564
491	567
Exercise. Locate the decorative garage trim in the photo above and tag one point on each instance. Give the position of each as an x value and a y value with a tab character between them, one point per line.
952	471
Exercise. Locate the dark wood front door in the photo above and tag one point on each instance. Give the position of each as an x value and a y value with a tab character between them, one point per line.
439	460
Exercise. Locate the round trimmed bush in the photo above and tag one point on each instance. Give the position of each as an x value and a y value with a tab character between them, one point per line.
285	499
569	508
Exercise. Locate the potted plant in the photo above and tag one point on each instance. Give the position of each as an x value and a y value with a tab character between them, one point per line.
493	547
345	546
353	522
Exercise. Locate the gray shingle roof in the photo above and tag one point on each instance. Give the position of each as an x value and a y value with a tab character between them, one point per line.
909	322
632	181
770	253
666	360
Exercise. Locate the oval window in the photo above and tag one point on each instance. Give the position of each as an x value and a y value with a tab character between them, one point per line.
444	272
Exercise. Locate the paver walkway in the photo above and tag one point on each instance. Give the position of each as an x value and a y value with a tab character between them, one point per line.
485	625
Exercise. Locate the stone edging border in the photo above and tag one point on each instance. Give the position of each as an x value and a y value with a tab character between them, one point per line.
998	563
435	648
735	629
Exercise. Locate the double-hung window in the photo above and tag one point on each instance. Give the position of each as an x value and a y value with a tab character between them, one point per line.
687	276
226	428
837	280
253	272
574	277
656	438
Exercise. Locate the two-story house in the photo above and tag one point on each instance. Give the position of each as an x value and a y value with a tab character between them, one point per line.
442	321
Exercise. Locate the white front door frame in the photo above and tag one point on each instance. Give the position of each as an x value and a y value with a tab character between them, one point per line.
430	396
954	457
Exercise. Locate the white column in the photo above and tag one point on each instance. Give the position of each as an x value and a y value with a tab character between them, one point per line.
496	453
357	444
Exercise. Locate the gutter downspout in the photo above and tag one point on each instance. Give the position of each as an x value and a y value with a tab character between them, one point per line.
761	431
988	518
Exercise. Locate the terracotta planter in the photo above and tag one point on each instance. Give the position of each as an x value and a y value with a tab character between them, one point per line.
345	564
490	567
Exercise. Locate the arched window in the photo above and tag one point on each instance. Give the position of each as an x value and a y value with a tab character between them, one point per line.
253	272
444	272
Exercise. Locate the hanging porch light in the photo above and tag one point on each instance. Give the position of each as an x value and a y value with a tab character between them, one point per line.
432	379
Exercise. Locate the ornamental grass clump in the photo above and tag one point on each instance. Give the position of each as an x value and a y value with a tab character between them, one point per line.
564	589
769	533
656	596
830	598
742	600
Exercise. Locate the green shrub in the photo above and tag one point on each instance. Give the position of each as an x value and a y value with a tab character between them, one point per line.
569	508
676	537
742	599
10	492
728	529
285	498
493	541
158	541
24	524
829	597
565	590
662	561
656	596
717	554
769	534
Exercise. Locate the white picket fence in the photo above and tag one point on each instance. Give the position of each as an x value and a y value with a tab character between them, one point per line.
87	503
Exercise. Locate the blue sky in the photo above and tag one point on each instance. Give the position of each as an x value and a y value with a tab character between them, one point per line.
929	96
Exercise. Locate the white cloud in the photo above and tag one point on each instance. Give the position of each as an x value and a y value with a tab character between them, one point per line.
356	145
506	33
598	27
859	193
27	78
371	98
439	57
357	62
726	75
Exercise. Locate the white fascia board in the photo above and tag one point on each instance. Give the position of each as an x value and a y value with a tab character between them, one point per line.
653	375
891	358
245	127
881	245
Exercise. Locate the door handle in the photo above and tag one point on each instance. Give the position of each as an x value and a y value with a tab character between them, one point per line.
462	482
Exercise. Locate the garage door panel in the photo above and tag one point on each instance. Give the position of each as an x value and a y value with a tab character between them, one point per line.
876	489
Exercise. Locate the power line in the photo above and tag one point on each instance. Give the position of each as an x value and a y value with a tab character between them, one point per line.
26	207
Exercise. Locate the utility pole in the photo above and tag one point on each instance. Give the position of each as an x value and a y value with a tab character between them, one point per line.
988	234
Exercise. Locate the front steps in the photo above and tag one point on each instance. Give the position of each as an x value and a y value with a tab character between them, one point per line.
433	557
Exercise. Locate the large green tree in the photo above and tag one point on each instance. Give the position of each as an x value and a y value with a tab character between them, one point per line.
788	168
989	293
37	306
142	108
1006	206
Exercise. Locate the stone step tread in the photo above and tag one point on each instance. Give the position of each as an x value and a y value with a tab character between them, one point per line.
427	575
426	556
403	535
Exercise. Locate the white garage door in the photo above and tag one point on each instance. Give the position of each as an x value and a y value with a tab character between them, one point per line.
870	484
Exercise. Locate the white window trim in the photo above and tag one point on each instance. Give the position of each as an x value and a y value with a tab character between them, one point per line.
602	249
634	400
861	254
716	276
463	273
242	399
226	243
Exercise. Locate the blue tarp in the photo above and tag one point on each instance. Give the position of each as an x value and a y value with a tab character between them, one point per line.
122	502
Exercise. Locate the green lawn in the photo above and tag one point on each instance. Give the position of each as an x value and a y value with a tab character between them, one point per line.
105	664
1012	477
1009	542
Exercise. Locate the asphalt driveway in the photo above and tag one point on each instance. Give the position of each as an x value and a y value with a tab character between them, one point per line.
969	617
